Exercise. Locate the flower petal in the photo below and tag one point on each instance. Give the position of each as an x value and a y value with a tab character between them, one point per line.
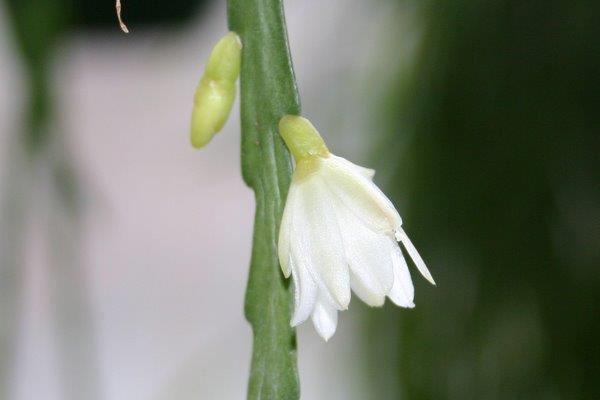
323	240
305	294
285	231
403	291
360	195
368	255
343	163
324	319
414	254
365	292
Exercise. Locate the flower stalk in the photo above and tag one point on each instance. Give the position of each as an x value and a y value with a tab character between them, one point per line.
268	92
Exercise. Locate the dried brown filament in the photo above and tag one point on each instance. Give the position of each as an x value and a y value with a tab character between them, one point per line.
121	23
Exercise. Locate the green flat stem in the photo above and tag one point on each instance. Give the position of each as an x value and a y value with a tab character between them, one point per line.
268	92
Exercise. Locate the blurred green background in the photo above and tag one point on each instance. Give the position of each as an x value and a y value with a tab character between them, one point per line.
500	168
482	119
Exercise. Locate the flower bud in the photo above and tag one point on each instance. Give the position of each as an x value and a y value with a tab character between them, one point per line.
215	94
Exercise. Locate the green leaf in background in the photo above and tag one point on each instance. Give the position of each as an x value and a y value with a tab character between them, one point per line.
268	92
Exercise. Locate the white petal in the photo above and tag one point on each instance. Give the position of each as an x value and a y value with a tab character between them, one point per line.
305	294
361	196
322	241
366	172
403	291
368	255
324	319
414	254
285	231
374	298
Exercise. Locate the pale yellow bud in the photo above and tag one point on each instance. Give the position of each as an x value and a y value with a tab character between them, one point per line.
215	94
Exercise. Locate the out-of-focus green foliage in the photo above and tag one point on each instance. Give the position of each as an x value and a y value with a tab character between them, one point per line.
38	25
37	28
494	150
268	92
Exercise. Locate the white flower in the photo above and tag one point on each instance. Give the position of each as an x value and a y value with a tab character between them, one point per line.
339	232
